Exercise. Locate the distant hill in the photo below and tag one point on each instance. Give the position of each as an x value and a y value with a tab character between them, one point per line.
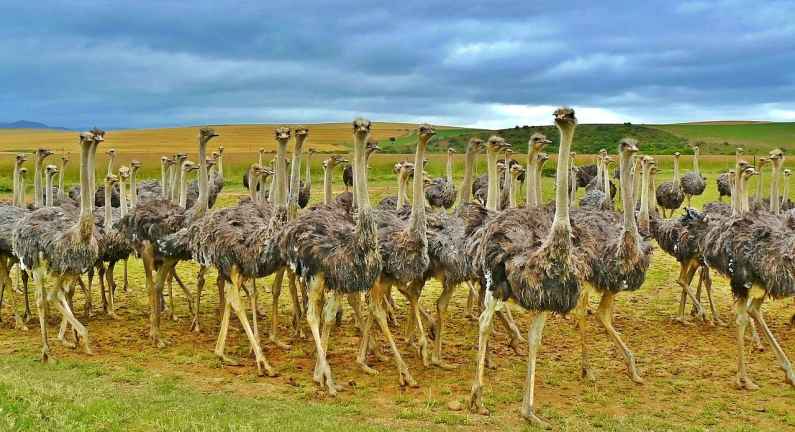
26	124
589	139
723	138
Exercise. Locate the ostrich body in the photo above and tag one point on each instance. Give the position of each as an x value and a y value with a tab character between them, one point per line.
149	189
534	148
334	253
155	219
693	183
306	190
441	193
60	244
596	196
9	215
618	259
753	250
669	194
530	260
347	172
216	182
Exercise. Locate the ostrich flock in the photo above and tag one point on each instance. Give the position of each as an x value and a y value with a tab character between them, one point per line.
545	257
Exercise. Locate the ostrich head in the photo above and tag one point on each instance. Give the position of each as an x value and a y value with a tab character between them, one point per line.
86	138
677	154
111	179
628	145
189	166
694	220
215	155
743	165
776	156
538	141
264	172
221	150
542	158
787	172
207	133
44	153
426	132
451	150
99	134
282	133
124	172
565	118
22	171
361	127
762	161
372	146
301	132
739	151
397	167
333	161
21	158
516	171
180	158
474	145
210	162
51	170
497	144
111	153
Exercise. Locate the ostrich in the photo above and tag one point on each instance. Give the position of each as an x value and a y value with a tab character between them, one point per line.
216	184
395	202
693	184
334	253
753	250
542	159
306	190
99	196
156	218
9	215
49	173
61	175
39	157
53	242
441	192
516	171
532	261
404	254
786	203
535	146
328	168
239	242
669	194
347	172
760	164
723	184
596	196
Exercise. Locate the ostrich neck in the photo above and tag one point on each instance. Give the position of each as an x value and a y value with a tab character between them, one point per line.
530	178
86	221
37	167
183	189
785	191
133	189
108	223
327	184
512	196
606	182
21	190
401	189
758	194
203	201
61	175
637	190
360	191
279	187
252	187
163	182
220	163
775	201
599	171
122	197
176	169
561	221
466	187
92	179
17	165
644	198
739	206
295	178
652	193
572	186
493	180
449	168
695	162
110	165
48	192
417	220
627	201
539	185
676	172
308	174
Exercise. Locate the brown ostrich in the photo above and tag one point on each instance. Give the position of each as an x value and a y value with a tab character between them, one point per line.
334	253
693	183
9	215
535	146
441	193
669	194
306	189
60	244
533	262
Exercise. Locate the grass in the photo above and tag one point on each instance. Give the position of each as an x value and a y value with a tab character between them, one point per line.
723	138
128	385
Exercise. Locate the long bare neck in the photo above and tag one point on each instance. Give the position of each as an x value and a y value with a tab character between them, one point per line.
606	183
637	190
61	175
785	191
417	220
86	199
133	188
401	200
123	205
220	163
775	201
572	187
183	188
493	180
676	172
308	174
465	193
530	178
48	192
327	184
696	153
514	190
163	181
21	190
92	179
278	198
110	164
539	184
449	168
252	185
652	193
174	181
17	165
627	201
37	168
108	223
561	221
203	202
295	178
758	193
644	199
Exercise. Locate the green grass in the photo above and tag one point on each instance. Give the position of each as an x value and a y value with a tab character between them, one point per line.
723	138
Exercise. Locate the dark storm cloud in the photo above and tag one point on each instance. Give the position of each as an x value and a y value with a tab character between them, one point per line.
160	63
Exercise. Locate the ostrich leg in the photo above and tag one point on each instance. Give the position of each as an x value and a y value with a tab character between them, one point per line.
263	368
276	290
24	276
412	293
89	305
707	280
111	290
472	301
322	373
534	340
220	344
126	284
441	315
41	306
581	314
506	318
298	309
103	294
185	290
756	313
686	273
200	280
484	333
329	317
605	316
147	255
19	324
742	381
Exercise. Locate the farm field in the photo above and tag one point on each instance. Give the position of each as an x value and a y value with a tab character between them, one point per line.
129	385
723	137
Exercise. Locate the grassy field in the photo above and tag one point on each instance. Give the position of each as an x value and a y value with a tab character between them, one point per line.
128	385
722	137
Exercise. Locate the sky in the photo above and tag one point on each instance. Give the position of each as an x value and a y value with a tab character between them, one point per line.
486	64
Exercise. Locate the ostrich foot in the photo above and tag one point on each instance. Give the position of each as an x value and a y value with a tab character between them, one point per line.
45	354
227	360
19	324
533	419
745	383
157	342
86	348
263	369
406	379
633	375
438	362
114	316
792	321
476	401
588	374
682	320
422	351
67	343
789	377
367	369
194	325
516	345
717	322
278	343
324	379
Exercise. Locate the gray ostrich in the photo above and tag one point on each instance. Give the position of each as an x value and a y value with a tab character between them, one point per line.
238	242
306	189
61	176
618	260
153	220
693	183
532	261
516	172
595	195
335	253
216	182
441	193
328	168
60	244
39	157
347	199
9	215
669	194
149	189
542	159
404	254
753	250
534	148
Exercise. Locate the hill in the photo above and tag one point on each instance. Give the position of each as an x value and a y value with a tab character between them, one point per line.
723	138
25	124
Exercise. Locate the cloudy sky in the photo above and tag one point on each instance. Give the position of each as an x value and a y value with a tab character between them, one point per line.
491	64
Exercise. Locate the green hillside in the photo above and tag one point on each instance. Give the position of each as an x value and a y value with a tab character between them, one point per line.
722	138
